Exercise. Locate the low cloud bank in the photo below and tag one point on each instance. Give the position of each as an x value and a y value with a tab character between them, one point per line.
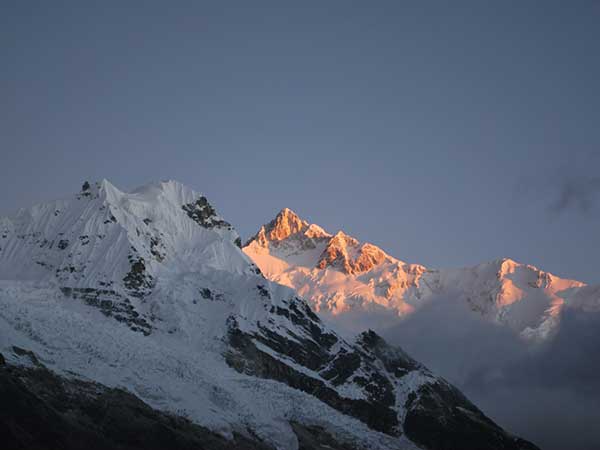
549	394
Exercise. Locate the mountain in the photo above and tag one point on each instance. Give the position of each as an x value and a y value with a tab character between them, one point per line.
143	300
341	276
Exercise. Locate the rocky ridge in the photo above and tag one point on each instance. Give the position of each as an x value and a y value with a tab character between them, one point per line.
162	303
339	275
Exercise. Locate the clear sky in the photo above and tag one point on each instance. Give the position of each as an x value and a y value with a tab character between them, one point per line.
448	133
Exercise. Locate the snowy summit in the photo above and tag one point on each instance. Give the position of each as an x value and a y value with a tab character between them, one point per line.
339	275
148	291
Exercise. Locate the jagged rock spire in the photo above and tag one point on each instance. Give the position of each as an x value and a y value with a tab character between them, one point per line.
284	225
345	253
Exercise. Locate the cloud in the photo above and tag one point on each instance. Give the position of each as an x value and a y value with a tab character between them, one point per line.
548	394
578	194
570	186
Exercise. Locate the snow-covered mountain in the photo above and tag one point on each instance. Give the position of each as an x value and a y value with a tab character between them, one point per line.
339	275
148	291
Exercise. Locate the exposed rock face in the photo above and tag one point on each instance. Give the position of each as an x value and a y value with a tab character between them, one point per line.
436	415
314	352
204	214
337	253
378	371
288	226
111	304
346	254
284	225
137	281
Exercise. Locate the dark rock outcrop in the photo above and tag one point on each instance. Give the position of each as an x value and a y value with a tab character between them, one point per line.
204	214
252	361
313	350
111	304
437	415
137	280
43	411
440	417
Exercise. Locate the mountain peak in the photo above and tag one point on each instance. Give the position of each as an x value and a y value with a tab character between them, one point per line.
341	238
104	237
286	223
98	189
138	287
169	190
289	236
287	212
347	254
314	231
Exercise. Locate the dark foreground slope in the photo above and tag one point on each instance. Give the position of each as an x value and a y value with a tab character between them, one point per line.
43	411
40	410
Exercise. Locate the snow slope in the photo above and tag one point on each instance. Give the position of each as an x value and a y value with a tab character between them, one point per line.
149	291
340	275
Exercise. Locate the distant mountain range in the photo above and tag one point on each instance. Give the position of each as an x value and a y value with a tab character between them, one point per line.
134	320
339	275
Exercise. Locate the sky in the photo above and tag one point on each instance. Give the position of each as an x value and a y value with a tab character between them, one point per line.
448	133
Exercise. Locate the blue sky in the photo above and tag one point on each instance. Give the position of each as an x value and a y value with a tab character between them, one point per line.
448	134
